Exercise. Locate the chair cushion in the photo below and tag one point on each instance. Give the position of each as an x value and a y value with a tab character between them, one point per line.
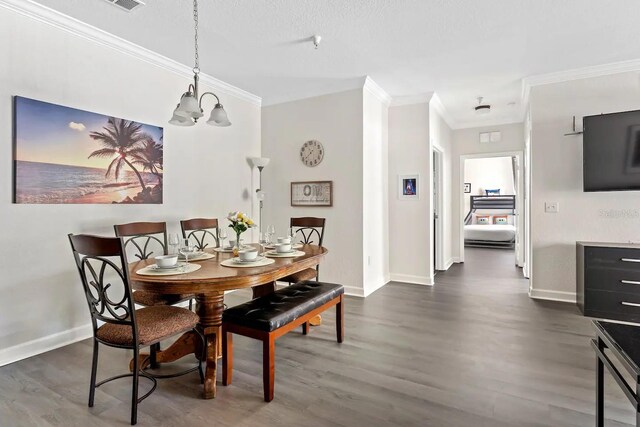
150	299
154	324
282	307
306	274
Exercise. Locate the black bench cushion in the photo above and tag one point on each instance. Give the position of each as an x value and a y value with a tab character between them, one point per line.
282	307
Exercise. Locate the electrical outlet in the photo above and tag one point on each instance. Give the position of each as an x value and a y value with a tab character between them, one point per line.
551	207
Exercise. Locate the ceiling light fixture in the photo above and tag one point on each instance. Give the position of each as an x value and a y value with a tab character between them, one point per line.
189	109
482	108
316	41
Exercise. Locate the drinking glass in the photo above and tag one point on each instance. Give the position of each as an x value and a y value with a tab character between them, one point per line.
187	249
174	241
271	230
264	240
222	235
292	235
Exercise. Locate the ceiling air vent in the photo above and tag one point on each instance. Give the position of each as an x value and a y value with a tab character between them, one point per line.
127	5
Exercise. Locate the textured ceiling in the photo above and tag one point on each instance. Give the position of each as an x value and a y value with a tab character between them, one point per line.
460	49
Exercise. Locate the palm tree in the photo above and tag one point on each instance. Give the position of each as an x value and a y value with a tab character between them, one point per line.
122	140
150	158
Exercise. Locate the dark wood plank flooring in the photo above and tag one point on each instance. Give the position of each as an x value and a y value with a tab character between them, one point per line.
473	350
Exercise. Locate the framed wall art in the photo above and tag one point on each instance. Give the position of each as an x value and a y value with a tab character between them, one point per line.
312	193
63	155
409	187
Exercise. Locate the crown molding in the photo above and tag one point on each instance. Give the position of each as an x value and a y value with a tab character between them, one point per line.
576	74
377	91
440	108
44	14
423	98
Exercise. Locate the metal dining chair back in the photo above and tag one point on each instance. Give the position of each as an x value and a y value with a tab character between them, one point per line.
145	239
204	232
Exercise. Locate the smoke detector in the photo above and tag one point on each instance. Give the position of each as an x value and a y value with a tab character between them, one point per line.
127	5
316	40
482	108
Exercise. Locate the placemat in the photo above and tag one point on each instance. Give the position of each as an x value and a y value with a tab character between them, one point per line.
150	271
294	254
232	263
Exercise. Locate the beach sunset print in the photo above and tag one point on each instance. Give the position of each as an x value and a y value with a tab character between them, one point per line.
66	155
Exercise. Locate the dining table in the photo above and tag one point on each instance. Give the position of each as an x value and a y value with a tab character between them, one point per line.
209	284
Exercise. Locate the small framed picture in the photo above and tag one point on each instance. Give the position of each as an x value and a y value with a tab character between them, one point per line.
409	187
312	193
467	187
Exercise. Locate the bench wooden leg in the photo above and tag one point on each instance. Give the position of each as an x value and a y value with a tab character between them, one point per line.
305	328
227	357
268	367
340	319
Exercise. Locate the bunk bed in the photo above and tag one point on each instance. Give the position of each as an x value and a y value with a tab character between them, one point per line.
491	235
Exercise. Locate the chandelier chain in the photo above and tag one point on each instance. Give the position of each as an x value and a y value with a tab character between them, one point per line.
196	68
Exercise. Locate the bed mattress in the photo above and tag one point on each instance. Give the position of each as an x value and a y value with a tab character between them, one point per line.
490	232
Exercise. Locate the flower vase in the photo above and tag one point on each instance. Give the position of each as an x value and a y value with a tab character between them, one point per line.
236	248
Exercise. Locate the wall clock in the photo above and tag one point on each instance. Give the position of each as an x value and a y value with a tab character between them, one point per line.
312	153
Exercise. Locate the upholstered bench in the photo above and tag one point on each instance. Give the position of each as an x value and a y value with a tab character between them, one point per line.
269	317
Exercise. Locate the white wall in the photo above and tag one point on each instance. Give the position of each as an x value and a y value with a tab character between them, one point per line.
375	214
467	142
557	176
335	120
440	137
410	250
487	173
206	172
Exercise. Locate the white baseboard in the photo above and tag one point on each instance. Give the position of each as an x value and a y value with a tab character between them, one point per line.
44	344
354	291
452	260
408	278
546	294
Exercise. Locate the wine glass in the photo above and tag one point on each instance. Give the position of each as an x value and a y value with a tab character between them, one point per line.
263	240
271	230
174	241
222	235
187	249
292	235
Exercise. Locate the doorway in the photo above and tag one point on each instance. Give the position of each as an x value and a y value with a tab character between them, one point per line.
437	190
491	206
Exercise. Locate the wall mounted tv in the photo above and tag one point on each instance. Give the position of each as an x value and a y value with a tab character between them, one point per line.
611	152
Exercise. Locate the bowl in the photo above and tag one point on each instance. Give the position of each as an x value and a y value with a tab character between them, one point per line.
248	255
166	261
283	247
284	239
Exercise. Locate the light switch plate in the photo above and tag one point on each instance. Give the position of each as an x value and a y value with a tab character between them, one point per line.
551	207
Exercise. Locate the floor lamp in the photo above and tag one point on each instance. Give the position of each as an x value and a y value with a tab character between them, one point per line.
260	163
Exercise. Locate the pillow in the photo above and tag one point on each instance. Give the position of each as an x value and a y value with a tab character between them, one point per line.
495	192
501	219
483	219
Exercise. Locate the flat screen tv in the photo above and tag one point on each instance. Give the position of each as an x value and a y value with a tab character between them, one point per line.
611	152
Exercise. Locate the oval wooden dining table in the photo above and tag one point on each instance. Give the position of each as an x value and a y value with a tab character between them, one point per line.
209	284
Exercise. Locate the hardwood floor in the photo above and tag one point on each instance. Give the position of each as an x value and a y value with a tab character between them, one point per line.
473	350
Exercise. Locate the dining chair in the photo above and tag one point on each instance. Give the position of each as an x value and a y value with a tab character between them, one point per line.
146	239
202	231
309	231
102	265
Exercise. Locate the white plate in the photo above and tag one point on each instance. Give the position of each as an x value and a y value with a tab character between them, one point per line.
281	253
193	255
239	261
157	267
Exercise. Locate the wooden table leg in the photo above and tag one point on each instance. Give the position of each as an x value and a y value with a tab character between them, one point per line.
188	343
210	307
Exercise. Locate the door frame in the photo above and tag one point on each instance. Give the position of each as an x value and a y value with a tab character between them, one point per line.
520	208
437	214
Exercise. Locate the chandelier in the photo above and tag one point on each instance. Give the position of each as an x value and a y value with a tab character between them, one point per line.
189	109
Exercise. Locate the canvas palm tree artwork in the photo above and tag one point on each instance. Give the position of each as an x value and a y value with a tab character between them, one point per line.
66	155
